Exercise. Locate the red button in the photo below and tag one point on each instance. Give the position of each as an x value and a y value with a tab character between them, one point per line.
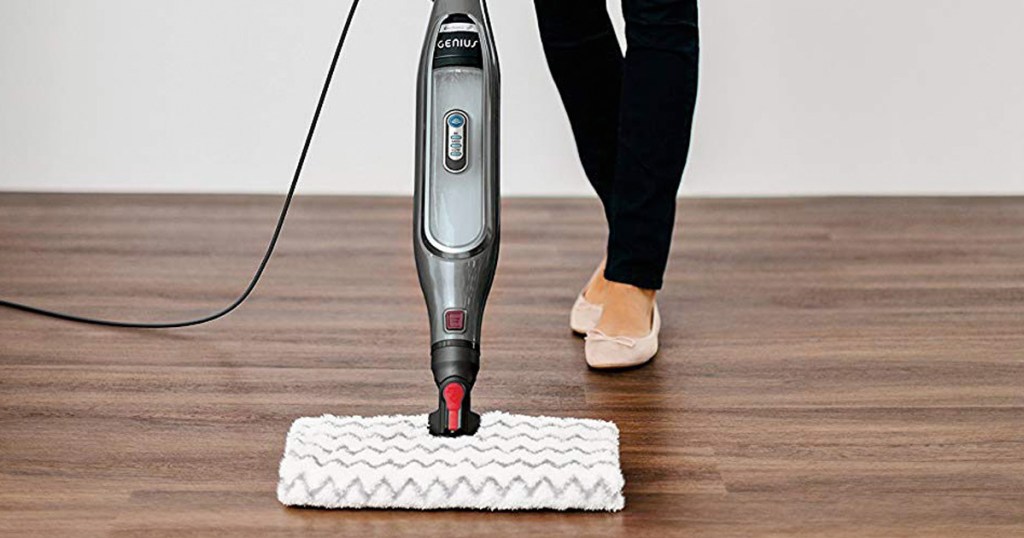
453	394
455	320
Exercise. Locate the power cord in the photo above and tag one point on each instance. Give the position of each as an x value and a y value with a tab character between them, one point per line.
270	247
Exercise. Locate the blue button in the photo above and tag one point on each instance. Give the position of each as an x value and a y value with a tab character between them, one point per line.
456	137
456	120
456	146
456	154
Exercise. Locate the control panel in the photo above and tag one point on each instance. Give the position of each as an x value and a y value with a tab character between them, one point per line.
456	124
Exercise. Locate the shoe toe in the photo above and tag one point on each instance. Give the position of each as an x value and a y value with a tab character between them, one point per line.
604	351
609	354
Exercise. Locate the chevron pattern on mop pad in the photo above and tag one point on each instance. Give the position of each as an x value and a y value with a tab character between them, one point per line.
514	462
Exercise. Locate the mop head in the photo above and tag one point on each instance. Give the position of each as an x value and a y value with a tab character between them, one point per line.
513	462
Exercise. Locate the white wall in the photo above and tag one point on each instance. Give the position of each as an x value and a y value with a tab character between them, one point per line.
798	97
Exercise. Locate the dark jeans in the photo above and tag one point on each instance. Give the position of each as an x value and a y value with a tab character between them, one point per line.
631	117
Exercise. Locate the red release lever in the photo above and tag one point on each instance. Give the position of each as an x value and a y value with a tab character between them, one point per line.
453	394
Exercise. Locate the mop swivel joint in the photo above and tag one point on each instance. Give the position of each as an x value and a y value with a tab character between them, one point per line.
455	365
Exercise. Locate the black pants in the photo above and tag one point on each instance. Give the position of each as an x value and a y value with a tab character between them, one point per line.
631	117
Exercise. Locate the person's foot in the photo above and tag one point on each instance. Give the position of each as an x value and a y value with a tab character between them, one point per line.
627	332
626	309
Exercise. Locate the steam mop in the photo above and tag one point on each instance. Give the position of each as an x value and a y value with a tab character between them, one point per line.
453	457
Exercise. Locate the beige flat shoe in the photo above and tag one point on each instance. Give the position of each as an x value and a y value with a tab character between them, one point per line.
605	351
585	314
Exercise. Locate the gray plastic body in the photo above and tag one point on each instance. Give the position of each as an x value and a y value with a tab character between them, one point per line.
456	215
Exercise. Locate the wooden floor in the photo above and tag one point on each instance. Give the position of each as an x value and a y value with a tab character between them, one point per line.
829	367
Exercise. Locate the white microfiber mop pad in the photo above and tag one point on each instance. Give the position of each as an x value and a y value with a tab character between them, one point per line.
514	462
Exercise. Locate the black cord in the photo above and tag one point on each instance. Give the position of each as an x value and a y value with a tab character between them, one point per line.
273	240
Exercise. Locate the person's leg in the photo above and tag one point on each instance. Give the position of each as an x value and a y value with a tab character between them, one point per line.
655	116
586	64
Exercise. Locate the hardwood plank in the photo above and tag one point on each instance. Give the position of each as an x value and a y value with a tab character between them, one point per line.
829	366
